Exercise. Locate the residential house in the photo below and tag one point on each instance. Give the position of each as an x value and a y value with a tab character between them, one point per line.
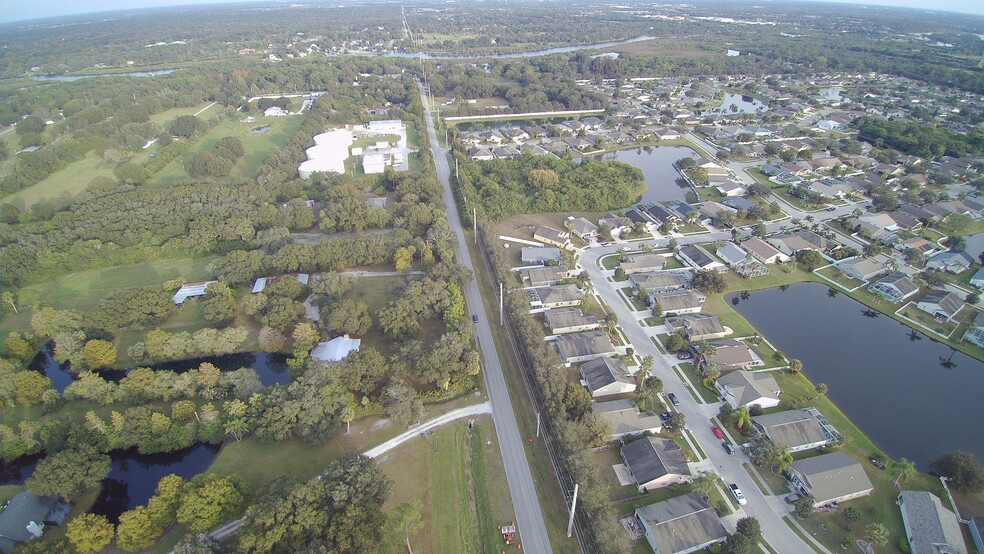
551	236
730	188
655	463
26	515
543	276
895	287
920	245
713	210
616	222
739	203
478	154
834	477
791	243
263	282
930	527
665	133
641	263
507	152
275	111
663	215
660	281
539	255
975	334
728	355
626	418
679	302
795	430
336	349
697	326
862	269
744	388
606	376
977	279
950	261
557	296
698	258
190	290
763	251
941	304
681	525
583	346
977	532
731	253
750	267
584	228
569	320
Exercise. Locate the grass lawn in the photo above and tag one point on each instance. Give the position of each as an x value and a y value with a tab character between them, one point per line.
840	278
610	262
697	383
166	116
257	148
460	479
64	183
942	327
604	460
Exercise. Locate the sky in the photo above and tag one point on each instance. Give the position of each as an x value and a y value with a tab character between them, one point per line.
18	10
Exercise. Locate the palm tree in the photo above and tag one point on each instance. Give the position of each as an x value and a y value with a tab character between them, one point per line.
8	298
905	467
783	460
877	534
821	389
741	417
704	481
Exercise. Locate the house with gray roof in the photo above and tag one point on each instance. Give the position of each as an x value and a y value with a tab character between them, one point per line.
679	302
977	279
583	346
697	326
569	320
698	258
745	388
930	527
336	349
681	525
655	463
833	477
950	261
543	276
977	531
26	515
626	419
941	304
584	228
551	236
728	355
539	255
975	333
642	263
660	281
739	203
862	269
731	253
557	296
606	376
791	243
796	430
895	287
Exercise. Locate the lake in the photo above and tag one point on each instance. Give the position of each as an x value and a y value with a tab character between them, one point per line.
736	103
533	54
272	368
889	381
134	476
656	163
69	78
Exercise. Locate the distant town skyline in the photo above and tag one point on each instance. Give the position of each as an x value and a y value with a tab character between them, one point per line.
22	10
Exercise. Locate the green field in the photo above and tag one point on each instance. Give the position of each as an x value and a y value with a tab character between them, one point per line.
257	147
64	183
167	115
458	474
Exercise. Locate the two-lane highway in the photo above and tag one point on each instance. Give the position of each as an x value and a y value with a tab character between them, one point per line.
529	517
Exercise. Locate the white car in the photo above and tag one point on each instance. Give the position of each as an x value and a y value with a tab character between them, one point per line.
737	494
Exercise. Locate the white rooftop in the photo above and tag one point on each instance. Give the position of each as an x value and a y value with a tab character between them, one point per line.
336	349
189	290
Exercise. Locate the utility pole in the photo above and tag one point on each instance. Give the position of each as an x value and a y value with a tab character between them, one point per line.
475	223
538	424
570	522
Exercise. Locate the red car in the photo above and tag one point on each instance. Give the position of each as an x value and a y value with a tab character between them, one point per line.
717	431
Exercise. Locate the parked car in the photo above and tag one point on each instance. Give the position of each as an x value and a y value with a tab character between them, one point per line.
717	431
793	498
685	355
832	208
728	448
474	318
877	464
736	492
673	398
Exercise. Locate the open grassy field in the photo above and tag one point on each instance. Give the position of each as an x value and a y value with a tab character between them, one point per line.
257	146
65	183
167	115
457	472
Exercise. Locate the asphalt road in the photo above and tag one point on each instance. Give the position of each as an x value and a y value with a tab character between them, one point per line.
529	516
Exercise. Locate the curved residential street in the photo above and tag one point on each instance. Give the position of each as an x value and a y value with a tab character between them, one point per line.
529	516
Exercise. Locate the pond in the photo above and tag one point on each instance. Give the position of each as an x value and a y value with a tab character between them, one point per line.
272	368
67	78
134	476
736	103
912	396
17	471
833	93
656	163
261	129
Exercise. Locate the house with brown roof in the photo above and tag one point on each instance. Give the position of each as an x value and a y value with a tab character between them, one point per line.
581	347
930	527
543	276
626	419
679	302
763	251
728	355
551	236
745	388
605	376
569	320
642	263
697	326
796	430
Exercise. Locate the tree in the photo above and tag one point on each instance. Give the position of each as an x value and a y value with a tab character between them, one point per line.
905	468
18	347
811	259
403	259
210	500
30	125
69	473
821	389
403	522
804	507
90	533
877	534
577	401
348	316
401	403
185	125
709	281
795	365
29	387
219	304
346	416
741	417
676	343
739	544
305	336
137	529
961	469
852	514
99	353
271	340
8	297
955	243
704	482
750	527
